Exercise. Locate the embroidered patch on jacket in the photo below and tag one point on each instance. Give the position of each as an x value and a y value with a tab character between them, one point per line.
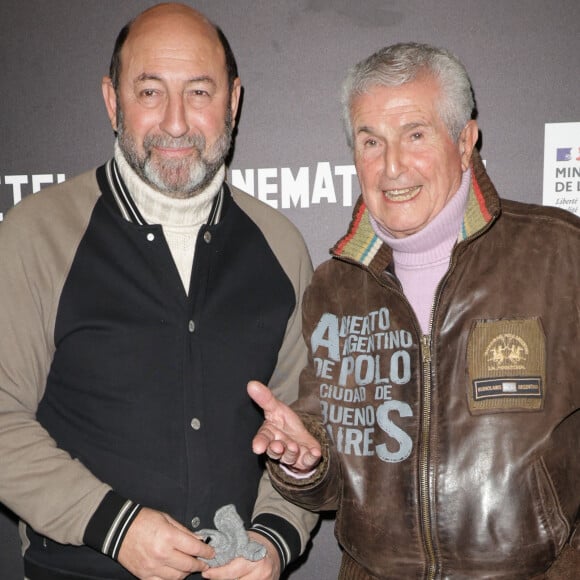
506	364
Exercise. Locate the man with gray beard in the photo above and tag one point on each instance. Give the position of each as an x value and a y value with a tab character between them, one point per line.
178	178
139	299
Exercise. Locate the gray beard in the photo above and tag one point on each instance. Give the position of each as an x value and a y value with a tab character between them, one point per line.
179	178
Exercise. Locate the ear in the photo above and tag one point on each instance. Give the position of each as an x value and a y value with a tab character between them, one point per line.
110	97
467	140
235	98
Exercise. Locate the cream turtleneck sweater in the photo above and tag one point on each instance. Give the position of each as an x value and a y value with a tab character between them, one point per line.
181	219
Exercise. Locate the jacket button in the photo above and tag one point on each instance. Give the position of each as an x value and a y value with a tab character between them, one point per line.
195	424
191	326
195	522
207	237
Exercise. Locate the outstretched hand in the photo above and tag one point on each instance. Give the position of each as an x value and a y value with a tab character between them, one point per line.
283	436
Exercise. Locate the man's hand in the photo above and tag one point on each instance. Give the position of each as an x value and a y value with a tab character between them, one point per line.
157	547
283	436
268	568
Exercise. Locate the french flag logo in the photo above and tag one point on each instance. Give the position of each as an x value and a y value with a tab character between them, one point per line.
563	153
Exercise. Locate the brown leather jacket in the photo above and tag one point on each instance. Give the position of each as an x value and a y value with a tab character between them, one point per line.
452	455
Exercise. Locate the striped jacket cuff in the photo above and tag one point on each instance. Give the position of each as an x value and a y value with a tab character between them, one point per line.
281	534
108	526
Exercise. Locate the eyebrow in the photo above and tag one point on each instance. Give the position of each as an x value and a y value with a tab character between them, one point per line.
365	129
414	125
153	77
406	127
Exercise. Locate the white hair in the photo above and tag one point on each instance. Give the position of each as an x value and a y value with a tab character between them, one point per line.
401	63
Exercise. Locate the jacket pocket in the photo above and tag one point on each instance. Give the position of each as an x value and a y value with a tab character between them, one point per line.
549	509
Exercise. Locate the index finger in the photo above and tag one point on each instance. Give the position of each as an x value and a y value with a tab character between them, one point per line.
263	441
193	545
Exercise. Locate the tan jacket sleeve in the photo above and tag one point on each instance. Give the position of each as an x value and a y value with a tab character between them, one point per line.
38	481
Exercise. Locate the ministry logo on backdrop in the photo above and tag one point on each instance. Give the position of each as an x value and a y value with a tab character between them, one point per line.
562	166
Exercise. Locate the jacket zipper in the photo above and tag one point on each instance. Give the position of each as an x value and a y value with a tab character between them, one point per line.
424	483
424	487
424	500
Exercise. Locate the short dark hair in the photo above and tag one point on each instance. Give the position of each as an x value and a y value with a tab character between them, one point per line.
115	65
231	65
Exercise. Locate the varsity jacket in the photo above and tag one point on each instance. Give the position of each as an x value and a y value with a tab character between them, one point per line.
452	454
119	390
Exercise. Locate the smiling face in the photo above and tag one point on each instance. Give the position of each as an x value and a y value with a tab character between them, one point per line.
173	109
407	164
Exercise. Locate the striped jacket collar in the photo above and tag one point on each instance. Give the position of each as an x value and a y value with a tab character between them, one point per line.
361	244
128	208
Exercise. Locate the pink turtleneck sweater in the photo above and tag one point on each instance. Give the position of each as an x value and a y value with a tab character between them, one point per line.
422	259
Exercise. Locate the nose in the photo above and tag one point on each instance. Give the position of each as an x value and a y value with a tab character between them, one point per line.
395	164
174	120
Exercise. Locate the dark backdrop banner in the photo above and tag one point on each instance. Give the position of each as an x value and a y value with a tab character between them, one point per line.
522	56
